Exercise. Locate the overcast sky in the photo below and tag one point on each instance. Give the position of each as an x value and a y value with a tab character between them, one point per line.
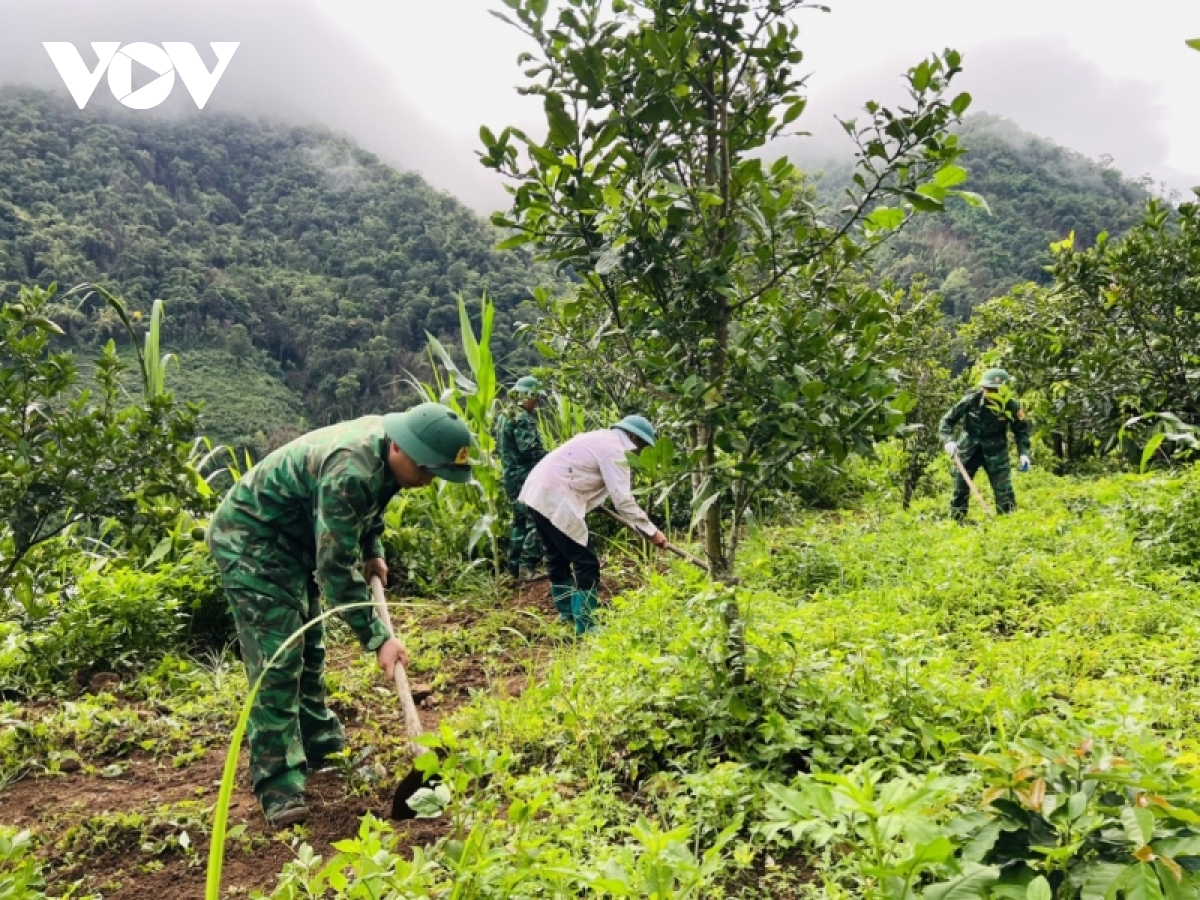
413	80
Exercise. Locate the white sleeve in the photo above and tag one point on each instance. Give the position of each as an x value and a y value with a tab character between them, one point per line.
615	472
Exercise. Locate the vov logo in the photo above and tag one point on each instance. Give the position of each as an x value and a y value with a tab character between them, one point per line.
165	61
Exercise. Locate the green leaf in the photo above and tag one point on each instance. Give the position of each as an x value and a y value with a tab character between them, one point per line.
1194	44
972	199
972	886
562	127
1140	882
949	176
922	203
1099	879
886	218
1151	446
960	103
515	241
1139	825
1039	889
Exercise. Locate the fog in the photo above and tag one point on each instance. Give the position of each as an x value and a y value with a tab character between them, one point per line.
296	63
293	64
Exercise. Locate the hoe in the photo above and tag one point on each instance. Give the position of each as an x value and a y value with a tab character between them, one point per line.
415	779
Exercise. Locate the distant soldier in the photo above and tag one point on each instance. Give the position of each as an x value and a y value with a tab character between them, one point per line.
306	522
986	414
519	444
568	484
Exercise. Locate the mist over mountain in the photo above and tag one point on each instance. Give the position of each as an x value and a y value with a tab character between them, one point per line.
1038	193
293	65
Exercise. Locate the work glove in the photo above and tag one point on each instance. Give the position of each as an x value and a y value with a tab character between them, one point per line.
951	448
1024	467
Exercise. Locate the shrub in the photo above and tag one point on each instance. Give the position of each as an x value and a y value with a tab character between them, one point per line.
1168	524
118	618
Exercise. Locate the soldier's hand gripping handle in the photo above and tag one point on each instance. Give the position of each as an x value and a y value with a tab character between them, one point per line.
387	655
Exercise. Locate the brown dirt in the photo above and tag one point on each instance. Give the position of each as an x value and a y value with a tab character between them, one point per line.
53	805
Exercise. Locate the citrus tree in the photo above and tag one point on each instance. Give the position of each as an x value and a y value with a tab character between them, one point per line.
82	457
710	291
1115	336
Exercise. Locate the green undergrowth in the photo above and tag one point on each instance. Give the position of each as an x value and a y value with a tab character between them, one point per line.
1003	709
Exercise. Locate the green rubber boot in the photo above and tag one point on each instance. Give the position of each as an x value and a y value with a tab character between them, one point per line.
562	594
582	605
282	799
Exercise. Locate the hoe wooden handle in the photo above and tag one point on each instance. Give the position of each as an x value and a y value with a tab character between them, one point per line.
682	554
962	470
412	721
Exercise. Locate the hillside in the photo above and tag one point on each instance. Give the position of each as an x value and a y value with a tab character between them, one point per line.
901	669
1038	193
334	263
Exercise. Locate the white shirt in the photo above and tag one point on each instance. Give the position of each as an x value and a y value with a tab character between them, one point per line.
574	479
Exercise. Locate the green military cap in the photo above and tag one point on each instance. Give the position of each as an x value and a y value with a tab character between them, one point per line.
639	426
527	386
994	378
434	437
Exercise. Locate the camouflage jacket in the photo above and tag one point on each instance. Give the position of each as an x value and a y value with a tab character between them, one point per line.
984	427
520	447
316	505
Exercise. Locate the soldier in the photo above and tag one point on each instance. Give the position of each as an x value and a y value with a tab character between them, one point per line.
563	488
520	446
986	415
306	522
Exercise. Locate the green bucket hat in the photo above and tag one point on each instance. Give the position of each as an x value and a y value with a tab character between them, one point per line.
639	426
434	437
528	386
994	378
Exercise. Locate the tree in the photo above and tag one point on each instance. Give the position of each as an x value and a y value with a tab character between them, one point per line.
74	458
1117	334
923	347
238	344
710	288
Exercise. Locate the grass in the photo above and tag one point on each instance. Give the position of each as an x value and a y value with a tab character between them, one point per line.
894	640
895	662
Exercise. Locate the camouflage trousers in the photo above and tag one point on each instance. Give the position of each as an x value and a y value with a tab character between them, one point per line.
999	472
290	727
524	542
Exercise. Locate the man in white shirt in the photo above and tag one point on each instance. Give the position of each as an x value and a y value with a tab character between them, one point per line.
563	488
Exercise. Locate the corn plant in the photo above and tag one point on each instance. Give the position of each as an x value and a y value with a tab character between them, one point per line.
220	823
475	398
560	420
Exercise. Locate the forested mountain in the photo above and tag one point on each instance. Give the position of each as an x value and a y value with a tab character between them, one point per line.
1038	192
300	274
334	263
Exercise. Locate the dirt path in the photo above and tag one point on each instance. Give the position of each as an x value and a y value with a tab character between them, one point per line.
119	836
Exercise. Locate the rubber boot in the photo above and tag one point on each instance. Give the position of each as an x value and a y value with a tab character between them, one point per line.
282	798
562	595
582	605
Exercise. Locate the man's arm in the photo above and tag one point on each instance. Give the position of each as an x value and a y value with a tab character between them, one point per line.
950	419
615	472
372	540
342	509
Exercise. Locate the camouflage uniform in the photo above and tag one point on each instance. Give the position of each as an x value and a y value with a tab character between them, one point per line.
520	447
297	526
985	444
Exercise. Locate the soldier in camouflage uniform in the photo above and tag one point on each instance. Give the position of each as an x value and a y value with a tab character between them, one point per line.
306	522
520	446
986	415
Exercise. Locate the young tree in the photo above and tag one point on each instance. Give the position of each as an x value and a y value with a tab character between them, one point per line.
1116	335
71	456
238	344
710	287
